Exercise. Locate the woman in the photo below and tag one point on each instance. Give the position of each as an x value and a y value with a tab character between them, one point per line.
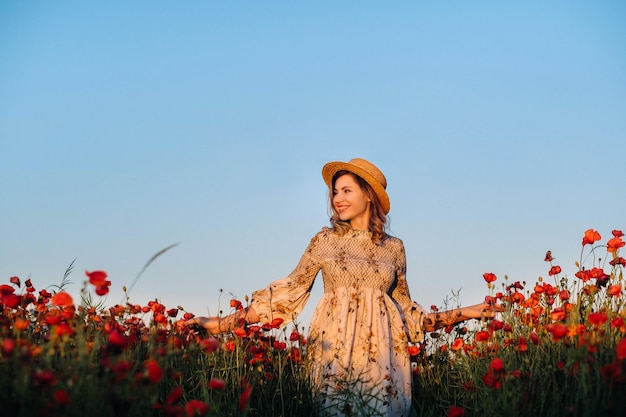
359	332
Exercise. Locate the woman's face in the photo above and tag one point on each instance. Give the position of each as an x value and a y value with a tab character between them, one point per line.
351	203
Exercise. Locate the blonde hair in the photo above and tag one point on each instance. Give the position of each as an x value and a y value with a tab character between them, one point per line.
378	218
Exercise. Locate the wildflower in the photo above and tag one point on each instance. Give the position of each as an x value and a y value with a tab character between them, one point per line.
97	278
8	346
618	260
489	277
620	349
590	237
612	372
558	330
614	244
240	331
614	290
597	318
294	355
548	257
522	346
153	370
496	365
12	301
618	322
15	281
62	299
555	270
196	408
230	345
45	378
294	336
617	233
457	344
245	398
61	397
21	324
118	339
413	350
278	345
236	304
455	411
482	336
210	344
217	384
534	338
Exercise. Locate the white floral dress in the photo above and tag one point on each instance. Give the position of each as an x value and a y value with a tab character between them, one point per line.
359	332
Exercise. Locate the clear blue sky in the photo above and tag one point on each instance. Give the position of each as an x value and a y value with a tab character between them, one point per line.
129	126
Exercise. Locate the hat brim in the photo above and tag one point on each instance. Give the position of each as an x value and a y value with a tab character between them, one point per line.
331	168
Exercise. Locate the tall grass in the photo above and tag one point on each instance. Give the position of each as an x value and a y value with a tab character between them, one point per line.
556	349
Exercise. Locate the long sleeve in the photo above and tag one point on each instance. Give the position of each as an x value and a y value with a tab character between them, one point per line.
413	313
285	298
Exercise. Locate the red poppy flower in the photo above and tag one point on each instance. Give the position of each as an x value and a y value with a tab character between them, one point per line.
597	318
455	411
620	349
492	380
240	331
294	336
15	280
118	339
618	261
230	346
61	397
175	396
62	299
8	346
279	345
196	408
245	398
45	378
236	304
294	355
210	344
614	290
558	330
154	371
217	384
96	278
614	244
277	322
457	344
555	270
413	350
617	233
11	300
534	338
590	237
496	365
482	336
489	277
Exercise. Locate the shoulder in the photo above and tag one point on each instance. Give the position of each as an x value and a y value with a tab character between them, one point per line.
393	241
323	236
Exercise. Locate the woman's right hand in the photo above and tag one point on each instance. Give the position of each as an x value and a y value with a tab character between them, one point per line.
211	324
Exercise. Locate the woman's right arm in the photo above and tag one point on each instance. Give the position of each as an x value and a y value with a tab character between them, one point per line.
217	325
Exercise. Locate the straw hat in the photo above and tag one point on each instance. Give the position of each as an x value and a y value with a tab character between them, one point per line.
364	169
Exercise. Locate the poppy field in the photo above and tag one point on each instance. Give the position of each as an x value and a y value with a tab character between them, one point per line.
557	348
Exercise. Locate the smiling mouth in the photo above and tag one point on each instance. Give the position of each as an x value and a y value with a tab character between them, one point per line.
342	209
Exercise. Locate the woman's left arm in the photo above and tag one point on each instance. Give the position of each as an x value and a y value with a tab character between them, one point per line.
439	319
